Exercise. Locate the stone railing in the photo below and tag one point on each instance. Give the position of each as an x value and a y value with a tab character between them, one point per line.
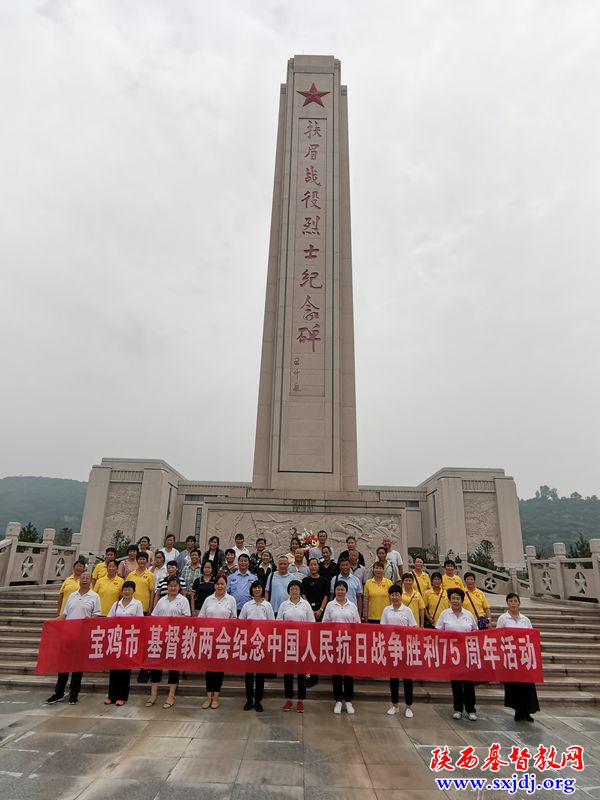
37	563
565	578
488	580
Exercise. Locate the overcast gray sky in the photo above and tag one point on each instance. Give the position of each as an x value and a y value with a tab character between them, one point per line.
137	145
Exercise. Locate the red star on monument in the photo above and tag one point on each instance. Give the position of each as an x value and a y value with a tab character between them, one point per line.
312	96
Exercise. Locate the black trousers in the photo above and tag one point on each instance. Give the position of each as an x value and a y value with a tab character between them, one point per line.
343	688
395	690
255	687
214	681
288	687
61	683
463	696
156	676
118	684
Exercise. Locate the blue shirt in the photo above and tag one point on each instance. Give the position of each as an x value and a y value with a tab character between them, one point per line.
238	586
354	586
277	588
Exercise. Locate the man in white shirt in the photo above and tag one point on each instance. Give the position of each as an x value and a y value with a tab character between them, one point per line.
393	556
240	547
81	604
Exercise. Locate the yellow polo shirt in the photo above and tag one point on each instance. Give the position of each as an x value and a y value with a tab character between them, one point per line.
431	602
144	587
100	571
479	601
377	596
109	592
455	582
68	586
424	581
415	602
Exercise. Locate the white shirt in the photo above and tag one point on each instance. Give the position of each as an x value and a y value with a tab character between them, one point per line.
177	607
239	552
159	574
82	606
334	612
225	608
394	557
448	621
132	609
506	621
170	555
296	612
398	616
254	610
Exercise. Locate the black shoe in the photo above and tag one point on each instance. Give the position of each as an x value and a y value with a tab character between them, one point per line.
73	700
311	681
258	706
55	698
519	717
248	705
528	718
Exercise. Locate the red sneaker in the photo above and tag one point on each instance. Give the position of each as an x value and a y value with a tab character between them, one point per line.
300	707
287	705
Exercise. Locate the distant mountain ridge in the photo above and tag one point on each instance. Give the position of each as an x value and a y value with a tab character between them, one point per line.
58	503
45	502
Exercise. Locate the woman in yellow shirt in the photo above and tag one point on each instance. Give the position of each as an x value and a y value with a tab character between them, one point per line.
449	579
144	582
376	595
69	585
436	599
422	583
475	601
109	588
412	599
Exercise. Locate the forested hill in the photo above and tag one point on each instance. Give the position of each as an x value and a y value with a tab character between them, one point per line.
58	503
45	502
548	518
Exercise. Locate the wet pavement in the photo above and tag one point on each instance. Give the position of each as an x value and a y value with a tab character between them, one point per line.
93	752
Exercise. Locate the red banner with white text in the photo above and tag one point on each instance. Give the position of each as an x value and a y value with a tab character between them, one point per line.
215	645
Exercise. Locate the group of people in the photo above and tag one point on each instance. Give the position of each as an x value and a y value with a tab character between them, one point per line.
305	584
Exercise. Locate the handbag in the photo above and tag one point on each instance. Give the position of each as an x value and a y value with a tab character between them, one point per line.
483	623
143	676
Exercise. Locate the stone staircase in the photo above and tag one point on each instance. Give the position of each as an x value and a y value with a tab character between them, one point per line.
570	636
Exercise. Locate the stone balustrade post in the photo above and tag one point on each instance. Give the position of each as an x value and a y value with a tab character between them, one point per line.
48	542
13	531
560	554
530	555
595	554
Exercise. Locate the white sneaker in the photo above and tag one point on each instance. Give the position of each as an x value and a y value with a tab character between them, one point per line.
408	713
392	710
337	709
349	708
457	715
472	716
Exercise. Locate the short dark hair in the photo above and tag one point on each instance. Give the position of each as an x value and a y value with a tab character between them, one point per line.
133	547
381	547
395	588
313	558
256	584
295	539
195	550
172	563
469	575
437	575
510	596
341	583
230	550
190	538
341	561
159	553
407	576
294	583
110	550
173	579
244	555
418	555
170	536
456	590
261	539
348	538
326	546
449	561
129	585
142	555
147	538
239	535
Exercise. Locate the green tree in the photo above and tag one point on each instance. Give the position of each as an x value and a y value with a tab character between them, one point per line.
580	548
63	537
120	542
546	493
483	556
29	534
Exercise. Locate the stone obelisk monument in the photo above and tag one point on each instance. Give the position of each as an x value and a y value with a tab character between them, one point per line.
306	426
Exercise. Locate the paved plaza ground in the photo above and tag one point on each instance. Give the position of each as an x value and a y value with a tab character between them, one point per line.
93	752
